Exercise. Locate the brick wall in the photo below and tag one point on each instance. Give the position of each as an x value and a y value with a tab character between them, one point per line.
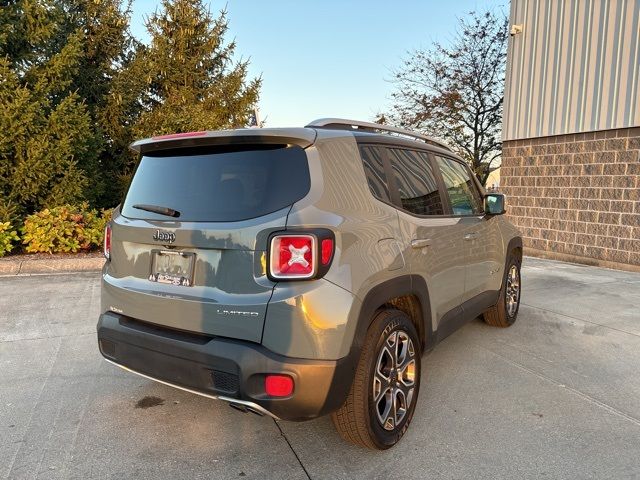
577	197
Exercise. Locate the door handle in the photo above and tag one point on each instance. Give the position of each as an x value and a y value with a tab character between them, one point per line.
420	243
470	236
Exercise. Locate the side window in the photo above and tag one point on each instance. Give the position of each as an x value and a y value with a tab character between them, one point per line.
463	194
374	170
416	182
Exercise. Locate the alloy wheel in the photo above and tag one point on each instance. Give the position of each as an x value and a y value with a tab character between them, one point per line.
513	290
394	379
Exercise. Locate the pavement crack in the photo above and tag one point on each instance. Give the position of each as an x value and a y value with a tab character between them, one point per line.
576	285
34	409
575	391
292	450
580	319
46	337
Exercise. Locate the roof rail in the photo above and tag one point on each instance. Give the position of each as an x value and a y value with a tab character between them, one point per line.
343	124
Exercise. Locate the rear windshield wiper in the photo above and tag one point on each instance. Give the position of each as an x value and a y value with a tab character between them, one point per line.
169	212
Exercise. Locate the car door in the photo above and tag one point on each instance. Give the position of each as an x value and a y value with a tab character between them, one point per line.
432	239
481	236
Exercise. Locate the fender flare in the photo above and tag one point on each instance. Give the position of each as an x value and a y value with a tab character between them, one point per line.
515	242
380	295
376	298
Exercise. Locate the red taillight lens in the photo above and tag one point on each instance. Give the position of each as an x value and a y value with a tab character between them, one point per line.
293	256
107	242
304	254
278	385
326	251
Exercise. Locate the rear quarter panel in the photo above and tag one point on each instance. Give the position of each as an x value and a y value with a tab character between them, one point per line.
366	255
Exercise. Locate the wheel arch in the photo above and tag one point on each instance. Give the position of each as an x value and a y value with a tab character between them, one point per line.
407	293
514	245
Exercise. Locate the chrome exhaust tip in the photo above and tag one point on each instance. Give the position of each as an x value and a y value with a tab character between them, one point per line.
238	406
257	412
245	408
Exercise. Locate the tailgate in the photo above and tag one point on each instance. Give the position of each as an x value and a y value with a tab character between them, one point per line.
201	266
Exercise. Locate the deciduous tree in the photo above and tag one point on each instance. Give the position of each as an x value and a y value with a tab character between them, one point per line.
455	91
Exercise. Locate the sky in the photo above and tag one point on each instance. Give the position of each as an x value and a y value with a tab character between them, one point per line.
329	58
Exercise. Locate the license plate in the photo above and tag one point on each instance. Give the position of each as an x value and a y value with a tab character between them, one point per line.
175	268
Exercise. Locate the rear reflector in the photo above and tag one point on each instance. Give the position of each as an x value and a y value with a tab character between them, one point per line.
293	256
180	135
107	242
278	385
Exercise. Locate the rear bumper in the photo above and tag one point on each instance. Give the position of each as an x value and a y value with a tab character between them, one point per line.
229	370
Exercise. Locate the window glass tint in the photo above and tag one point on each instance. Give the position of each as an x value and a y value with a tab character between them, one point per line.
374	170
416	183
463	195
221	185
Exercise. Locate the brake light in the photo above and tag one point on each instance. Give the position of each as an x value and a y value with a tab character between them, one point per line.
107	242
278	385
293	256
180	135
303	254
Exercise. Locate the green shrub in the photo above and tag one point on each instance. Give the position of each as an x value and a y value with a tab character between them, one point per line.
66	228
7	237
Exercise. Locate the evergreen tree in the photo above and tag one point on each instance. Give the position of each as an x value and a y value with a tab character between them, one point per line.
44	126
193	82
108	48
76	89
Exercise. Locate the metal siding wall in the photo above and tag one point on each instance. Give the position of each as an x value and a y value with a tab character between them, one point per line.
574	68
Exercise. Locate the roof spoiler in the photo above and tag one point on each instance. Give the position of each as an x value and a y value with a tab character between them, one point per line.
303	137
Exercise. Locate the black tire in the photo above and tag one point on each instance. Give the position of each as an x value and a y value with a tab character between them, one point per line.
504	314
357	420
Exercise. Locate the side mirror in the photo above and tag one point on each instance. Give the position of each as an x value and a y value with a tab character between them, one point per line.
494	204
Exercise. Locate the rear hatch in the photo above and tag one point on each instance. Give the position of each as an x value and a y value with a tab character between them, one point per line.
188	247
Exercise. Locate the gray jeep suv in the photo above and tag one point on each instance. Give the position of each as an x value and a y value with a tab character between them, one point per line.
304	271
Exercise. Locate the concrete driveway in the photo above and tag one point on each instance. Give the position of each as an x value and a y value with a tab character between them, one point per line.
555	396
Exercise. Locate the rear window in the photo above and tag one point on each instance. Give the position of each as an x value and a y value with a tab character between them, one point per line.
416	182
206	185
372	160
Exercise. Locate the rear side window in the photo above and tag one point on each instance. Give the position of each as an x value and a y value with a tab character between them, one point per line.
463	194
218	185
416	182
372	160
